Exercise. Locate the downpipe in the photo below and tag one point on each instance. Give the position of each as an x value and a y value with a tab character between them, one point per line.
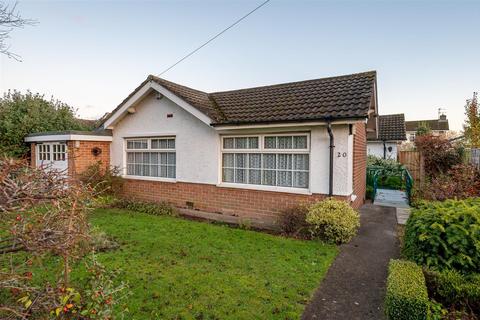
332	146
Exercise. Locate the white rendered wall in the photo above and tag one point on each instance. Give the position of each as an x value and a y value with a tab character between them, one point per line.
375	148
196	144
342	160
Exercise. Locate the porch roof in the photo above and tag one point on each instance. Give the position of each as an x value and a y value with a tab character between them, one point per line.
69	135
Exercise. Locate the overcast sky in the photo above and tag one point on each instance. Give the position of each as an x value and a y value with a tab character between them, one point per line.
92	54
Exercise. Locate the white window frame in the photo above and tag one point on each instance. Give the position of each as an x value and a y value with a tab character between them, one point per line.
51	153
148	149
262	150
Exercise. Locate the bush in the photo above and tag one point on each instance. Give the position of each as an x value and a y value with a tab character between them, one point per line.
333	221
406	297
100	241
153	208
439	154
445	235
454	290
392	182
387	164
25	113
104	181
462	181
292	220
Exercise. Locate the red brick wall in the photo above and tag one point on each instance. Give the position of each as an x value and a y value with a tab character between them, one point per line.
79	158
33	155
80	155
359	164
210	198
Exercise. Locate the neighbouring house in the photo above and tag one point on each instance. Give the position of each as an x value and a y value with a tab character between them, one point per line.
437	126
390	133
248	153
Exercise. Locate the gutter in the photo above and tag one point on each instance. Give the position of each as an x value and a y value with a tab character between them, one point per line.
332	146
288	123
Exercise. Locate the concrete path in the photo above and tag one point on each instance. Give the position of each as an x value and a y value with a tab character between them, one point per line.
394	198
391	198
354	287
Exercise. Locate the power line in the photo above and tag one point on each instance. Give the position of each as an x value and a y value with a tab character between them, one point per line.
214	37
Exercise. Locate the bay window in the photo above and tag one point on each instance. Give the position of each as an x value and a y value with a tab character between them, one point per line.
151	157
269	160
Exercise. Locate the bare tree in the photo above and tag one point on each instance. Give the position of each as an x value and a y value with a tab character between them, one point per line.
10	19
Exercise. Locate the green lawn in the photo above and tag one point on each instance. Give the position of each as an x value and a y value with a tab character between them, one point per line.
181	269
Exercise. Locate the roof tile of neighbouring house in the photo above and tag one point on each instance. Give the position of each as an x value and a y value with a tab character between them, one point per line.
348	96
435	124
391	127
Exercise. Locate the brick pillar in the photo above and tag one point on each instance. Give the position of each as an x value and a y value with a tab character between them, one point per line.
33	154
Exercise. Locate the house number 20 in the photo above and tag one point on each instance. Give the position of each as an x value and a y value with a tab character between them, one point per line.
341	155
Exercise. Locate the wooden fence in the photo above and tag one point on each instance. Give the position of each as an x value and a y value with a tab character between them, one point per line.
413	161
474	157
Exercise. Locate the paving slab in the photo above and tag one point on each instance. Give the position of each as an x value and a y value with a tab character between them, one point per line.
402	215
354	287
391	198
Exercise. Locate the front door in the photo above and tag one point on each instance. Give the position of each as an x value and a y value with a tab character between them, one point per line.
52	156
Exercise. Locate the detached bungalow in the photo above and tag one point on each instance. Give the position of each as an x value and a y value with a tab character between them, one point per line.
246	153
390	133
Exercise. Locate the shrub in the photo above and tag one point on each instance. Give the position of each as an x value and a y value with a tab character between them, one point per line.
392	182
104	181
406	297
439	154
333	221
292	220
24	113
386	164
445	235
153	208
462	181
100	241
455	290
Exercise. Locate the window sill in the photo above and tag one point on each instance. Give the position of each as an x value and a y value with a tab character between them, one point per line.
171	180
264	188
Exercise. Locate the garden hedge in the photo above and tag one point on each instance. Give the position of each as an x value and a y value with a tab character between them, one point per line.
445	235
453	289
406	297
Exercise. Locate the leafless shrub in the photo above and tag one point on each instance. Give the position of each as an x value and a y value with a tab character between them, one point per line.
41	212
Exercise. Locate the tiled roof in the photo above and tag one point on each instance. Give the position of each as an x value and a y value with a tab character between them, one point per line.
348	96
338	97
196	98
435	124
391	127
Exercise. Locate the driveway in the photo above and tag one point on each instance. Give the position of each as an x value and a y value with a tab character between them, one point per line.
354	287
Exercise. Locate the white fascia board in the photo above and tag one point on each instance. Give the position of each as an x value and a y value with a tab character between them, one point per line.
152	85
135	98
189	108
68	137
283	125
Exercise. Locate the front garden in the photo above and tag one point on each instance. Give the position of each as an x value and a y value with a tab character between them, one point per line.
438	276
181	269
66	254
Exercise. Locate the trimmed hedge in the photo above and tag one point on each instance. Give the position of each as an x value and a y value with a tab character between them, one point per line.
453	289
445	235
407	297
